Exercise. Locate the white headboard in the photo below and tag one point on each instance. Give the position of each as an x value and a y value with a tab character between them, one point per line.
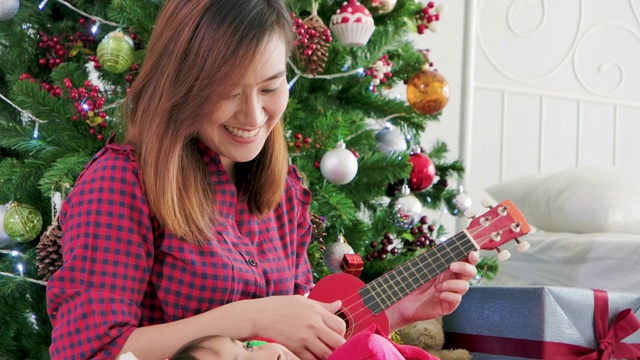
546	85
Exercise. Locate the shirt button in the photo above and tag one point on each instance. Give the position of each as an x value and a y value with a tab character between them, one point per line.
252	262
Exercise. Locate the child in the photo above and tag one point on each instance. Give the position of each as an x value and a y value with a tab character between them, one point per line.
366	345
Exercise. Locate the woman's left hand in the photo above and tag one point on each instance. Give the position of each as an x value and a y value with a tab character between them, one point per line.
437	297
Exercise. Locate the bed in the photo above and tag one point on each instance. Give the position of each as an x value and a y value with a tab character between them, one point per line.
550	119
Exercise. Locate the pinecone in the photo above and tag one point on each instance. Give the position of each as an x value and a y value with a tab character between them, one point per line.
318	223
48	255
312	43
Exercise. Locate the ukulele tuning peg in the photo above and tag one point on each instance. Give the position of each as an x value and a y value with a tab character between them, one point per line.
522	245
503	254
489	203
470	213
495	236
516	226
485	220
503	210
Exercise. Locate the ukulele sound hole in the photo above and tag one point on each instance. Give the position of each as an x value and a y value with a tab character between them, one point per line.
345	317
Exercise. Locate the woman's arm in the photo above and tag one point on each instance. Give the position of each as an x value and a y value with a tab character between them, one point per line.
306	327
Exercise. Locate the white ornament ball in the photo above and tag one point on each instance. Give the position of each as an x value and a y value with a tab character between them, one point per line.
391	139
408	208
339	166
8	9
334	253
5	240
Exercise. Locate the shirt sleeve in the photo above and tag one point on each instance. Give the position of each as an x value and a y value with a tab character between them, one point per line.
304	277
94	300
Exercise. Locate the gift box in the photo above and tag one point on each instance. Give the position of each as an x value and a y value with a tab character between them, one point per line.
352	264
551	323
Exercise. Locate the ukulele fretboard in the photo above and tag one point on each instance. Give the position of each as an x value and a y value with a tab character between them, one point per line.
391	287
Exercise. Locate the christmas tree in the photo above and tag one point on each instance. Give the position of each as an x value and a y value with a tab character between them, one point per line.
65	69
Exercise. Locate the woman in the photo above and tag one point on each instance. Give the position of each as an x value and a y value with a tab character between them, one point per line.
195	225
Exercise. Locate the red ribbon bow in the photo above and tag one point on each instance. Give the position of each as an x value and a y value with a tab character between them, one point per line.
610	338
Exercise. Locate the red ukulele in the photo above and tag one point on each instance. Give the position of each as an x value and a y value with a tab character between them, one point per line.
364	305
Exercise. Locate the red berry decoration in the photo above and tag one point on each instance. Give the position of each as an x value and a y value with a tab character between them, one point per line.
380	71
428	17
423	171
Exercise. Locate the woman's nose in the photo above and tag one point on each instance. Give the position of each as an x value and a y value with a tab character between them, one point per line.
253	112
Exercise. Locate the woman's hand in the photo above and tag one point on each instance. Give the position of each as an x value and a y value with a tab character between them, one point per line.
308	328
436	298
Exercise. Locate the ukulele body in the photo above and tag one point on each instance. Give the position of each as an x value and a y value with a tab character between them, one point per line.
356	315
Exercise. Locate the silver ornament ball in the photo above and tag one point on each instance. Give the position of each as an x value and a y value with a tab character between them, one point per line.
8	9
408	209
458	204
391	139
334	253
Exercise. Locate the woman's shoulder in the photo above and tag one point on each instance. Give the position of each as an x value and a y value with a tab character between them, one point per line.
113	161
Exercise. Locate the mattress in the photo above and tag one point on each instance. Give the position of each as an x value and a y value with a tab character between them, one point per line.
603	261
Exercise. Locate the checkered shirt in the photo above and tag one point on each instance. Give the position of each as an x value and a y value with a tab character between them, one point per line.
122	270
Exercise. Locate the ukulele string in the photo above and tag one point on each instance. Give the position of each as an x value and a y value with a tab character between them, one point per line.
417	275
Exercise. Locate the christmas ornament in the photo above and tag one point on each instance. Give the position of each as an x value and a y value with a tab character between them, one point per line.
423	171
334	254
22	222
391	139
352	264
428	92
8	9
352	24
428	17
313	41
384	6
380	72
339	166
5	240
408	208
459	203
115	52
48	253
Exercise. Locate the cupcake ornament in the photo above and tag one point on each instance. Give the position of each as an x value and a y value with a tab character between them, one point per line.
352	24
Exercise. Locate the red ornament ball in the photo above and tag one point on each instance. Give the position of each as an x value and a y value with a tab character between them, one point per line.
423	172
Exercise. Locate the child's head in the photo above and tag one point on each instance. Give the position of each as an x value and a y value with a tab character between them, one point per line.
215	347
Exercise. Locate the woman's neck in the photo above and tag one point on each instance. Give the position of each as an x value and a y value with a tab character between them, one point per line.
229	167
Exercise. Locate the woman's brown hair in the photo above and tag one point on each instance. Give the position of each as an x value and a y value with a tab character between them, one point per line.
197	49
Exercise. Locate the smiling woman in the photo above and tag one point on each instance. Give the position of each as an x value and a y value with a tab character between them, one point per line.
195	225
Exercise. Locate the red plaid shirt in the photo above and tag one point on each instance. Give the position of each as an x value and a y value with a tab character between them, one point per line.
122	270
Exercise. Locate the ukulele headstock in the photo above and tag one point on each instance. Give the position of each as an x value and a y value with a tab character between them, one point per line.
498	225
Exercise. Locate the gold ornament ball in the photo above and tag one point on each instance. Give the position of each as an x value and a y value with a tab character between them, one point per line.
115	52
22	222
428	92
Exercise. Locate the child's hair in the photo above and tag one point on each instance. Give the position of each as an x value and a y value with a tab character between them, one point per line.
188	350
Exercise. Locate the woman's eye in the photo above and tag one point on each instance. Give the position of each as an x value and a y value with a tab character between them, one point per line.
271	91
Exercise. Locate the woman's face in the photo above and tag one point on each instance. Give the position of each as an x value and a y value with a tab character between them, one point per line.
238	129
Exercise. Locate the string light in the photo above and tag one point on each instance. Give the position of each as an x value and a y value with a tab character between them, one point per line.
35	131
42	4
94	28
293	81
21	269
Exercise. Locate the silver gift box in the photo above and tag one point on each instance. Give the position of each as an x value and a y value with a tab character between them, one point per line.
513	322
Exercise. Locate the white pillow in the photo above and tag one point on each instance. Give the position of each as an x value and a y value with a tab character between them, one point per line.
577	200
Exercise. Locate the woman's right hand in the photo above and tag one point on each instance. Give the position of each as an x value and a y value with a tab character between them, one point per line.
308	328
